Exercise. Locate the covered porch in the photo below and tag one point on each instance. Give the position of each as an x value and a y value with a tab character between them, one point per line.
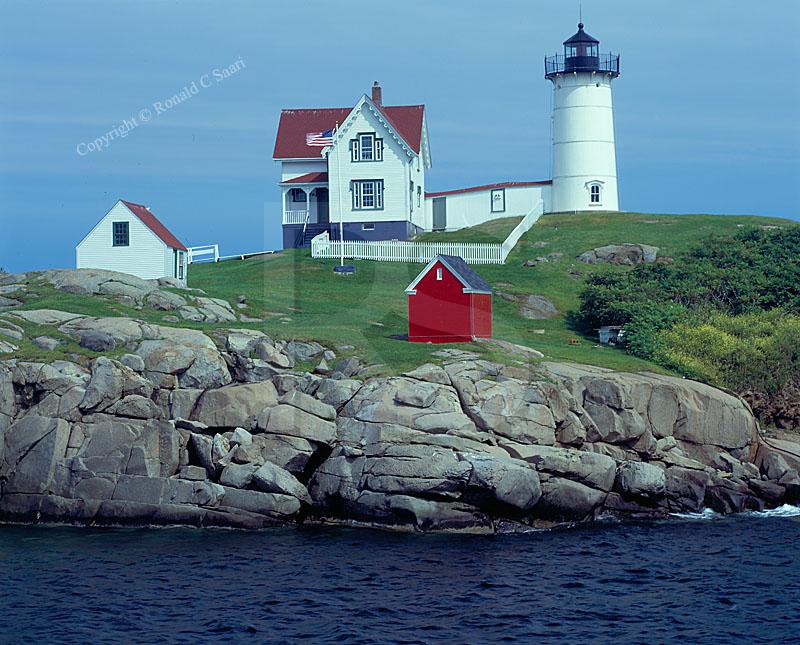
305	200
305	209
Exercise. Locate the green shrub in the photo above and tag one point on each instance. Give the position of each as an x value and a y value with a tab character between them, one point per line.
756	270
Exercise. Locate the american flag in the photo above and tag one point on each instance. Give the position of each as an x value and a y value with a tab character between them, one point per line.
320	139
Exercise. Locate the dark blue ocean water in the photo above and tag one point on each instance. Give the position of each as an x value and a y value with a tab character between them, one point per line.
732	580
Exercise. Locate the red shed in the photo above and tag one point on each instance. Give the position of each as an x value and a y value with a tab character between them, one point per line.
449	303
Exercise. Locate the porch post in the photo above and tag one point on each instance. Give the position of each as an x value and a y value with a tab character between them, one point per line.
312	193
308	202
283	203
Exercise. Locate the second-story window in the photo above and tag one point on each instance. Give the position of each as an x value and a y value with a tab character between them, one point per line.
366	147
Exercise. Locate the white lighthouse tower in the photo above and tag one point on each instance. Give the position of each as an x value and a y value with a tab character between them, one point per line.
584	155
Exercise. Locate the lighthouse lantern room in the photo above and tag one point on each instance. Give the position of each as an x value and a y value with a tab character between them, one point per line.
584	154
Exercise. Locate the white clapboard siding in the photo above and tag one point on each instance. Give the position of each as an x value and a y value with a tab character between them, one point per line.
393	170
146	256
293	169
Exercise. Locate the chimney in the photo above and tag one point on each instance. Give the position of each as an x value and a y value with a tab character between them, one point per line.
377	94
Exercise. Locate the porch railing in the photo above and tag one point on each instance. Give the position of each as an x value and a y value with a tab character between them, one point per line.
295	217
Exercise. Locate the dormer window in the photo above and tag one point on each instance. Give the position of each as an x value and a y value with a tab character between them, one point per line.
366	147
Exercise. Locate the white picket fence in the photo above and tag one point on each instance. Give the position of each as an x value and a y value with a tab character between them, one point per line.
322	246
395	251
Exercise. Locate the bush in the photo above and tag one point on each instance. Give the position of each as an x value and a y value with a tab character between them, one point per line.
727	312
752	352
754	271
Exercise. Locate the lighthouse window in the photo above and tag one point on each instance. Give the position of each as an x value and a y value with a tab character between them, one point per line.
594	192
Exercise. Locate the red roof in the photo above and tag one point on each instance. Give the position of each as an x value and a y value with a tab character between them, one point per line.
290	142
310	178
151	222
506	184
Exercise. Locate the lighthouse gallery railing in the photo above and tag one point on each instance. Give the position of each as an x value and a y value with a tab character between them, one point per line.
603	64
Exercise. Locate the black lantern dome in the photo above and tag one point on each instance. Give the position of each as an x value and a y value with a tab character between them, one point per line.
581	54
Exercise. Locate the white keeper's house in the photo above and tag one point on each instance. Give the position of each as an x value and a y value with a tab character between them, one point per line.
362	168
130	239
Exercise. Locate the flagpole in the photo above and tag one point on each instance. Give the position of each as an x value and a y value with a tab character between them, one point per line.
339	180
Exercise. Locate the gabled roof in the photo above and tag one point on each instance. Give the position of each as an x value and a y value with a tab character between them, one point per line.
152	222
290	141
505	184
310	178
472	282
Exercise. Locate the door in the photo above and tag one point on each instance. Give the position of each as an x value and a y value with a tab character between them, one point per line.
439	213
323	213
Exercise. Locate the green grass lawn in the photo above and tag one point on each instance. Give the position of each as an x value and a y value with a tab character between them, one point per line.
302	298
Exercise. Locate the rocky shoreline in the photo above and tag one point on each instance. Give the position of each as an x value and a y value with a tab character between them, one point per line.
218	429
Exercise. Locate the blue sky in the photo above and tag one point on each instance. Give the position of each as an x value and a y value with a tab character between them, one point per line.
706	106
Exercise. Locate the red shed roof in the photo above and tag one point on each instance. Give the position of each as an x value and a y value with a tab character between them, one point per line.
290	142
465	274
505	184
152	222
310	178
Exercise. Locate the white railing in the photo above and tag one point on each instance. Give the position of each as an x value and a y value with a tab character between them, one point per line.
523	227
202	253
322	246
295	217
395	251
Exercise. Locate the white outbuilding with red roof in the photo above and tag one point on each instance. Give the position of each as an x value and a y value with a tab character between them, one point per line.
131	239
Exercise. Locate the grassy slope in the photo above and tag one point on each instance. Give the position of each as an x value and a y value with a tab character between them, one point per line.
302	298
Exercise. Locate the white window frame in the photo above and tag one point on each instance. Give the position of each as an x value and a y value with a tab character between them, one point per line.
439	273
419	196
375	186
366	144
366	141
502	193
368	226
591	187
